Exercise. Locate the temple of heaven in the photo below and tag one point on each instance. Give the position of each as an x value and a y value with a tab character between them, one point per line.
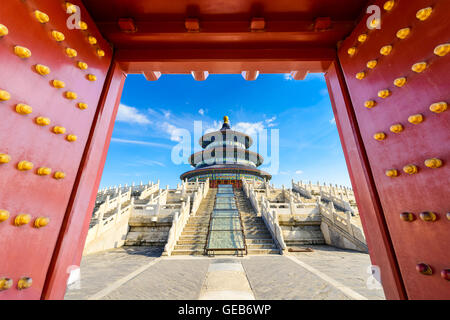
225	159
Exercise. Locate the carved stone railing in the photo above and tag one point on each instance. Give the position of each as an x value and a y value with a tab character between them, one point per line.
149	190
179	221
302	190
180	218
111	204
109	232
249	192
199	195
344	225
270	218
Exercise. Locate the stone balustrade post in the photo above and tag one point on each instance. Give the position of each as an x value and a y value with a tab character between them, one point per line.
348	217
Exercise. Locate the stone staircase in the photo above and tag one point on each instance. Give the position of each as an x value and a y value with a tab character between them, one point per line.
193	238
257	237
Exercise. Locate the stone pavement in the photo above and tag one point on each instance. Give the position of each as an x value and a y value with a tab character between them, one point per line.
140	273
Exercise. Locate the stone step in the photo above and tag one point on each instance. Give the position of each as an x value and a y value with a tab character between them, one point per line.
260	240
189	232
193	221
260	246
188	247
226	252
255	225
257	235
196	229
263	251
191	242
188	252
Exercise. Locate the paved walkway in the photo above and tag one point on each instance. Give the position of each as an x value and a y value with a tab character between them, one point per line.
140	273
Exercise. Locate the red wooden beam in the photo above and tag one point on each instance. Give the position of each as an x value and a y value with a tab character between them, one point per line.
200	75
127	25
257	24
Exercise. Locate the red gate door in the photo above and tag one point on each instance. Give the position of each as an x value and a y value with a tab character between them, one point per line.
51	78
397	77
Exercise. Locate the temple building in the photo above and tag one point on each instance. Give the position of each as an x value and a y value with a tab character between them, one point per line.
226	159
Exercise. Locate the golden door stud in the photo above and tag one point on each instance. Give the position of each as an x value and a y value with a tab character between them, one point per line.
4	215
42	70
410	169
403	33
59	175
407	216
41	16
22	219
439	107
391	173
82	105
370	104
41	222
415	119
43	171
71	52
5	283
42	121
433	163
58	84
4	95
424	14
22	52
24	283
59	130
396	128
5	158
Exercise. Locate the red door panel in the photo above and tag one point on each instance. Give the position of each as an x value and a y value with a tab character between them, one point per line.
427	190
27	250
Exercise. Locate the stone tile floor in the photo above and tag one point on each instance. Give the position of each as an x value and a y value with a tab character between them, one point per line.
140	273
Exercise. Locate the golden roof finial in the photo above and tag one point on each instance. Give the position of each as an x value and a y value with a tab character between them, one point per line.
225	119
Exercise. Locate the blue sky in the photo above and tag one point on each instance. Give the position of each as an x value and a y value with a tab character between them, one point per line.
152	112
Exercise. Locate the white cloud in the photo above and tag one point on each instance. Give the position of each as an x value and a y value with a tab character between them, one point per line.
167	114
201	111
131	115
287	76
298	172
333	121
270	121
151	163
144	143
250	128
174	132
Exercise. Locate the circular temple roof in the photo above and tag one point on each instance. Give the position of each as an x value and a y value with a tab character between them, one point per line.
208	138
248	154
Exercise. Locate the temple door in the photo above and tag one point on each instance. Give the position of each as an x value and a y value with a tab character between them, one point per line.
53	117
397	80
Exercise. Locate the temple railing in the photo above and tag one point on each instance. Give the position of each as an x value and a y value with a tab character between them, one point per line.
106	232
250	193
344	225
180	218
111	203
179	221
199	195
270	218
149	190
